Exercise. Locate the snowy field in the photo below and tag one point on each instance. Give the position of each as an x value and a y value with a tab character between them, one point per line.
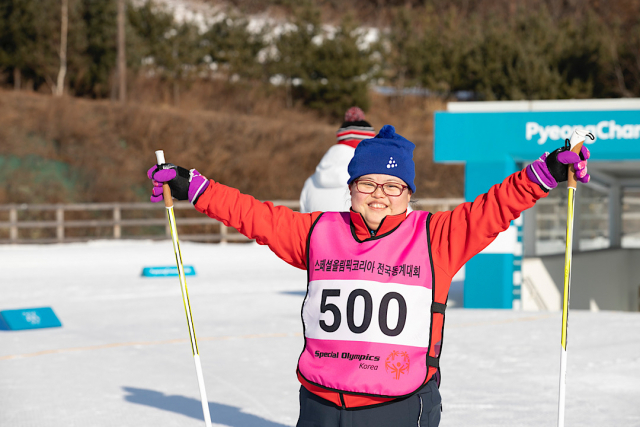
122	357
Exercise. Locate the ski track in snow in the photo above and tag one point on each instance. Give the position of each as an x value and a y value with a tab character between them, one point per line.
122	356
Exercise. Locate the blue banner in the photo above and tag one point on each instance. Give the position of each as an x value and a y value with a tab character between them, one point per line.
524	136
167	271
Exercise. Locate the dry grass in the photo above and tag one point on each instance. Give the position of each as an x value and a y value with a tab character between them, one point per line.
78	150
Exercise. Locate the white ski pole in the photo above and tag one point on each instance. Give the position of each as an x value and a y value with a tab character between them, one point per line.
168	203
576	141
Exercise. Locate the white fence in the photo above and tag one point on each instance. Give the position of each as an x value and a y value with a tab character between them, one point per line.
551	216
88	221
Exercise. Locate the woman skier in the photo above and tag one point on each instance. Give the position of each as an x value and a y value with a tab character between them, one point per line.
378	277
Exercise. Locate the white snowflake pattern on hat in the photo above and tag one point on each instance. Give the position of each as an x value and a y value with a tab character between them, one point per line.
392	163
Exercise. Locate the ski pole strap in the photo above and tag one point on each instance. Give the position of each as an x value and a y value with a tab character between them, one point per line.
437	307
433	361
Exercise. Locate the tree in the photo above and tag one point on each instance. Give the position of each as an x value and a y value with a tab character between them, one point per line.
403	55
29	39
64	27
339	74
172	50
229	44
531	56
122	58
327	72
296	47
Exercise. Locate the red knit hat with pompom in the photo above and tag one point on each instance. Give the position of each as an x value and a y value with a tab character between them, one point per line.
355	128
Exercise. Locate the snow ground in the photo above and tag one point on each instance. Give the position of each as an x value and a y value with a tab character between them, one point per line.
122	357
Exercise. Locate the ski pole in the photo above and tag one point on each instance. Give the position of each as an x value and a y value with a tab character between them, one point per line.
576	141
168	203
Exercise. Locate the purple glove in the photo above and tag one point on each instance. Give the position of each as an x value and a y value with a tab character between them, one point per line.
551	169
185	184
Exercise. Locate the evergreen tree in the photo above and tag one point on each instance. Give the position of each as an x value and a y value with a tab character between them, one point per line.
230	45
532	56
173	51
296	49
30	41
99	54
29	38
150	27
621	54
339	74
403	56
630	58
327	72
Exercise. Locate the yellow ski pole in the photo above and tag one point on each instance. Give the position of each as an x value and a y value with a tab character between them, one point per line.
168	203
576	141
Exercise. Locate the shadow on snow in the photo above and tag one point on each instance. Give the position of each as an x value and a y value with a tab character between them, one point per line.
295	293
220	414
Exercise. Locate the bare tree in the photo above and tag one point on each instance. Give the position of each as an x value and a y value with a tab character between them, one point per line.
64	21
122	63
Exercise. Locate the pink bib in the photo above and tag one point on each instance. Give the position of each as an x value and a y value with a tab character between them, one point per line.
367	313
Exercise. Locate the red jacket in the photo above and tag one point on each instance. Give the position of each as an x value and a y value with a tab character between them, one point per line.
456	236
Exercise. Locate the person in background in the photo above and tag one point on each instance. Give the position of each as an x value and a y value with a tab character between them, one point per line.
325	190
378	275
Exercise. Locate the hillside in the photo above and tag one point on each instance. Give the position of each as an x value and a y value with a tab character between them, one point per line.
79	150
380	12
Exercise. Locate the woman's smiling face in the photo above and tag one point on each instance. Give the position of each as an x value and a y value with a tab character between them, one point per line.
375	206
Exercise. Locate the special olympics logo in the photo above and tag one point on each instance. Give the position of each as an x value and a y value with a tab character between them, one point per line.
397	363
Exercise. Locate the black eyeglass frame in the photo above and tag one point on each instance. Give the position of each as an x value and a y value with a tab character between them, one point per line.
381	186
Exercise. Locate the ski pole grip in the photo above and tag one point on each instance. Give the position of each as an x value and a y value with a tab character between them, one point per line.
576	141
572	182
166	191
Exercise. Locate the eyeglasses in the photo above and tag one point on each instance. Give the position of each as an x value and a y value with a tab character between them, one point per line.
391	189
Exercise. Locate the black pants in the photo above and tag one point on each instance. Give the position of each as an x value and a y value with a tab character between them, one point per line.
419	410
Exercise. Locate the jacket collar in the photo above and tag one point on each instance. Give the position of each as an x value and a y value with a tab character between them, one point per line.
363	232
353	143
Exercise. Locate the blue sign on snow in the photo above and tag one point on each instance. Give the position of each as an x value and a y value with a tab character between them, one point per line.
167	271
28	318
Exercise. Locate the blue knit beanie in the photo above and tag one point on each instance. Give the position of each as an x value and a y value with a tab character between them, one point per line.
388	153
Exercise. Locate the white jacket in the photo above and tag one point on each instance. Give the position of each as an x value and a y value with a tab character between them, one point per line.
327	190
